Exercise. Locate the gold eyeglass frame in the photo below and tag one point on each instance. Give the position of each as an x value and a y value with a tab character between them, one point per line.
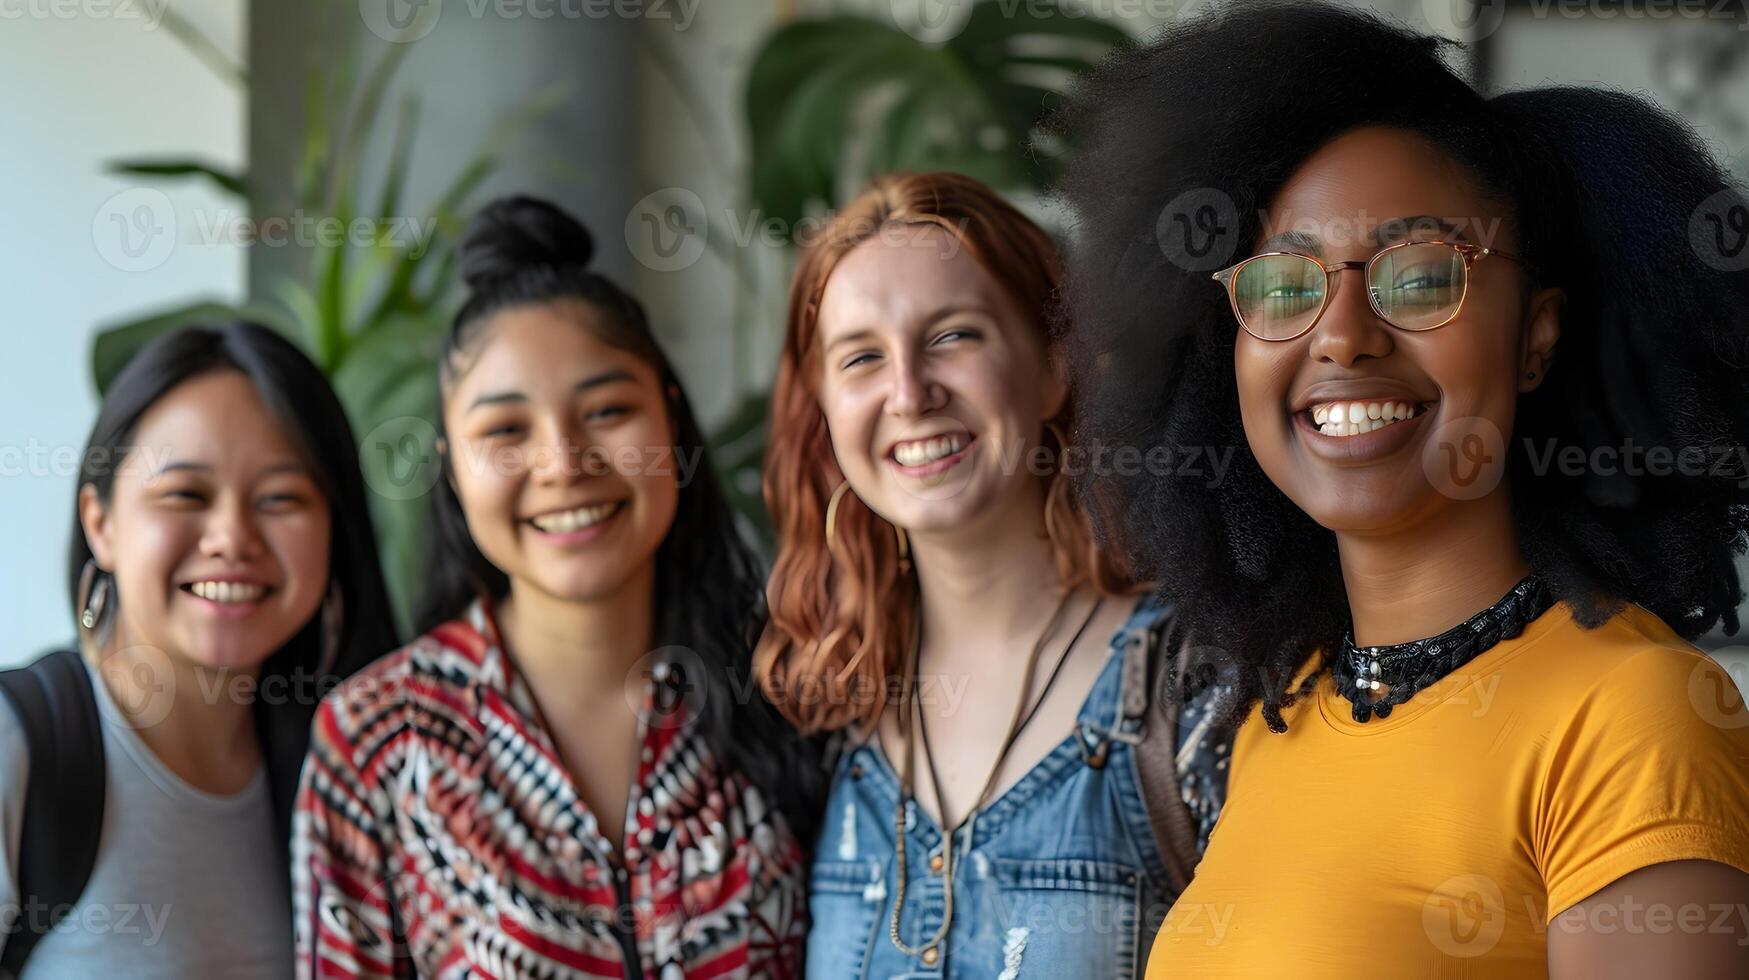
1229	278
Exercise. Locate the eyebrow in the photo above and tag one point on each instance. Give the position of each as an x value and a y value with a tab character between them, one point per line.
595	381
190	466
1303	241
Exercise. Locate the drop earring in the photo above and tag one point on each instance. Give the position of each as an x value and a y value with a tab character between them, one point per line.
94	598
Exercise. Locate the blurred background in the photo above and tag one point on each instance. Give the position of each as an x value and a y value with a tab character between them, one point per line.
311	163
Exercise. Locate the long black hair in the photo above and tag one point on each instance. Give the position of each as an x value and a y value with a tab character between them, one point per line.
294	678
1604	190
709	584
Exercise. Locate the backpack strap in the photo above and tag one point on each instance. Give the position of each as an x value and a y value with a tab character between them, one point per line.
1151	700
63	803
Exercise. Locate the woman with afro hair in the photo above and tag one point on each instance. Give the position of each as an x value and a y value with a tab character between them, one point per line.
1483	365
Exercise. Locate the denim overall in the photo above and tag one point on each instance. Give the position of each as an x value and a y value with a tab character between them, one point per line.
1061	878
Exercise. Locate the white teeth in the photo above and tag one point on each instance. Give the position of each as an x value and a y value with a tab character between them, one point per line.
1354	418
924	451
227	591
565	522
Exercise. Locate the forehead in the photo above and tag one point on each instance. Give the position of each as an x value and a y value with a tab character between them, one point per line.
1372	185
534	346
217	418
901	277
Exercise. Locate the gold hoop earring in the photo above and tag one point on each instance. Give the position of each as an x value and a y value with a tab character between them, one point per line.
832	530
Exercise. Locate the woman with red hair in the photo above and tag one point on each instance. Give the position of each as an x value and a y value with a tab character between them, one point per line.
939	599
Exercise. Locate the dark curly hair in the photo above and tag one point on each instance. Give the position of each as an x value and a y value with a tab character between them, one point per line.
1604	190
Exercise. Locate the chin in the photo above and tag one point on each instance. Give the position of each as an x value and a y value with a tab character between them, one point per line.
230	653
582	584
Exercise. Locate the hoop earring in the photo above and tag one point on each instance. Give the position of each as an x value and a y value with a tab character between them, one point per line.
832	530
333	619
93	602
1058	483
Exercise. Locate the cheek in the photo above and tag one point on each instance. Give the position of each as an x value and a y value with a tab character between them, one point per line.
851	412
486	481
303	544
1263	371
643	458
147	548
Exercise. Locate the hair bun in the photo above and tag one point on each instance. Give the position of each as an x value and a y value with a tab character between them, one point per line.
513	234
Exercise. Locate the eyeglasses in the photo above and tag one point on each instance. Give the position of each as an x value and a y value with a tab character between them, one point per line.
1410	285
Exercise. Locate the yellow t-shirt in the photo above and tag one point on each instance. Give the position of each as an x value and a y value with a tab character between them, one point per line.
1441	841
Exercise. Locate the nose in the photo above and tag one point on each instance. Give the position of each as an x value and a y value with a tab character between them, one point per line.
230	532
558	458
914	392
1349	329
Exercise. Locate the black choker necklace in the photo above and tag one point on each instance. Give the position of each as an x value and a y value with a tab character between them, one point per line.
1374	679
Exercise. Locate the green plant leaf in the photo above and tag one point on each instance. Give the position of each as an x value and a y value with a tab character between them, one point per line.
835	101
114	346
225	180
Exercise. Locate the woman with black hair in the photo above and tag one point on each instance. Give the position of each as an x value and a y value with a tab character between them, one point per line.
1488	397
571	772
224	576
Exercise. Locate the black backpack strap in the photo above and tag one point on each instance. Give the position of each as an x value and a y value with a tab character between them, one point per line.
63	803
1152	698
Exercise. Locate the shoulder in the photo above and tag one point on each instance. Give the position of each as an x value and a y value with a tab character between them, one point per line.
1632	662
14	761
433	672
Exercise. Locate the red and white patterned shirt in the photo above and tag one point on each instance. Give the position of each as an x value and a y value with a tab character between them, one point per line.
438	835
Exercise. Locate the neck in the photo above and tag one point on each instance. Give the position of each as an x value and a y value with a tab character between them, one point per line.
1423	580
198	720
988	585
580	652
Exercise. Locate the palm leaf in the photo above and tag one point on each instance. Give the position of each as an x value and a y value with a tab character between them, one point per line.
833	102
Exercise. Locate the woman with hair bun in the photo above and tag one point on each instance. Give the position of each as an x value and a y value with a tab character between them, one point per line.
570	773
1488	393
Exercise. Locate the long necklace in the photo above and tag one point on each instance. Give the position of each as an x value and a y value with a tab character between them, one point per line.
1016	724
1374	679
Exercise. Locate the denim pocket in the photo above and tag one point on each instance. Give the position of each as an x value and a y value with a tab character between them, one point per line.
1067	918
845	902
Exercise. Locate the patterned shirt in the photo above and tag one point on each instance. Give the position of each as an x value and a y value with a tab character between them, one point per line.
438	835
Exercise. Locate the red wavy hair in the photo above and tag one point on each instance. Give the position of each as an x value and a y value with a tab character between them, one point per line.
839	624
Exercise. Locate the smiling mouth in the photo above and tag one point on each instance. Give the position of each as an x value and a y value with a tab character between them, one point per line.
933	455
227	593
1344	419
575	519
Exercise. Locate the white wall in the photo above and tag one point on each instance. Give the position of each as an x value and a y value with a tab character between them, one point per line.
88	81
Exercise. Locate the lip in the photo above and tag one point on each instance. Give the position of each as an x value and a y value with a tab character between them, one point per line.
935	467
1358	390
567	508
582	535
1367	447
